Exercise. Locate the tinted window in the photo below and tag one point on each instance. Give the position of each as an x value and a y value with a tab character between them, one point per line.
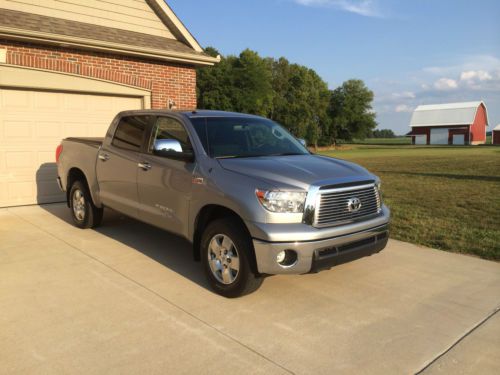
130	132
169	135
237	137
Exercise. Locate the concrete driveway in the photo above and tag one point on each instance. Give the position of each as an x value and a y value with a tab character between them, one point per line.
127	298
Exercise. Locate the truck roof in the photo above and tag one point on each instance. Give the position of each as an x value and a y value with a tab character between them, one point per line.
190	114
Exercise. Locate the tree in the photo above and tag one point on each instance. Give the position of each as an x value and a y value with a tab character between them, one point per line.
351	111
241	84
300	99
253	92
383	133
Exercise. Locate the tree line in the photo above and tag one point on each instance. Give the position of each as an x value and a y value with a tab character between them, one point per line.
290	94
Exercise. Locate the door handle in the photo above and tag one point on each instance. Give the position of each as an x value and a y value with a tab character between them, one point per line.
104	157
144	166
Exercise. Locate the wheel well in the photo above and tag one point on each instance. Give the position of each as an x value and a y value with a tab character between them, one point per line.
74	174
213	212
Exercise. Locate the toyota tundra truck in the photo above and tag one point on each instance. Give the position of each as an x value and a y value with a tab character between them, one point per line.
250	197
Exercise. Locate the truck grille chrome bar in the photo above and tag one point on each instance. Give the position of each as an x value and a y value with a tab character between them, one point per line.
346	205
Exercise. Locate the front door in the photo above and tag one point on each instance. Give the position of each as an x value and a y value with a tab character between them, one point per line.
164	183
117	165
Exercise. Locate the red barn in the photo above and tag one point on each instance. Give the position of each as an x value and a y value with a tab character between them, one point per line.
449	124
495	135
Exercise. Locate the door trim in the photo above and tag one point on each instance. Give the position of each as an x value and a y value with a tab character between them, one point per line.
20	77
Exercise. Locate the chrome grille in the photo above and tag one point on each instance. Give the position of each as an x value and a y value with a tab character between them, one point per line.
333	205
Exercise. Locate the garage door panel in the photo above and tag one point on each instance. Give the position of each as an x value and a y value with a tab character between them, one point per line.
48	129
47	101
439	136
32	124
16	99
17	129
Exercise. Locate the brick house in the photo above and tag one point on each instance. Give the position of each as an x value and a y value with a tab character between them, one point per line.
66	68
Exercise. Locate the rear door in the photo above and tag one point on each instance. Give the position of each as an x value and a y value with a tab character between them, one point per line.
164	183
117	164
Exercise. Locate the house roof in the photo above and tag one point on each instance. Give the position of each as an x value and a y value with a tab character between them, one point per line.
497	127
446	114
19	25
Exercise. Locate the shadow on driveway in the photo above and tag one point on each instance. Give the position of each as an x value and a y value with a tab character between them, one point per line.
167	249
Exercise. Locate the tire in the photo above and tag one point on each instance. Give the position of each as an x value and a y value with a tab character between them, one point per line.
225	250
83	211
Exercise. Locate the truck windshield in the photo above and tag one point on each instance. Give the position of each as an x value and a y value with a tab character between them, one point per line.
244	137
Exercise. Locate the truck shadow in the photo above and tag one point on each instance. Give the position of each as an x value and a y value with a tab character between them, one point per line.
167	249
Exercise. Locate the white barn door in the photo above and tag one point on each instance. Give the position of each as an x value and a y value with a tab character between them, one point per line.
458	139
439	136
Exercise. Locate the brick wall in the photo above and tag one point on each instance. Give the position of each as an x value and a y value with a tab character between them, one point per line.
166	81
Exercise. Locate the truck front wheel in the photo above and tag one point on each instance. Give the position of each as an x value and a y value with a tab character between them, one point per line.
225	252
83	211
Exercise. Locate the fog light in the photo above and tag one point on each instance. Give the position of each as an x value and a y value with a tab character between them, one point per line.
287	258
281	256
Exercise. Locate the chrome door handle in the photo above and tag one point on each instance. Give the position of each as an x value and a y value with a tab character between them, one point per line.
104	157
144	166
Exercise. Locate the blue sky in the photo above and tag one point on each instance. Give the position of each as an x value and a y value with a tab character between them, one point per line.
407	52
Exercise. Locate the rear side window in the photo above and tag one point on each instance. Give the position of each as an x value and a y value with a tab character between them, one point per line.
130	132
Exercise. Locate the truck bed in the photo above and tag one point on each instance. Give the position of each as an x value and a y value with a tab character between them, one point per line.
90	141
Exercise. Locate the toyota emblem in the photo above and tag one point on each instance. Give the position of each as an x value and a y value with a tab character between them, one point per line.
353	204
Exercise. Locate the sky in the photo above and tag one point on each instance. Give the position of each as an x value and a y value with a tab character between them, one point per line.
408	52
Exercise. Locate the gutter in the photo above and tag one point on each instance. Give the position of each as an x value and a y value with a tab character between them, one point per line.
109	47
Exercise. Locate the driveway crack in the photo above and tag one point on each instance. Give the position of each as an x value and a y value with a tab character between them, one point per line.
460	339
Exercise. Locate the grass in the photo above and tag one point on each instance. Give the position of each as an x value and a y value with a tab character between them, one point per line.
384	141
443	197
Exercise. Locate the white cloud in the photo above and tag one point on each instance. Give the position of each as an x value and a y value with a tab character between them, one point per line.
404	95
445	84
365	8
403	108
475	75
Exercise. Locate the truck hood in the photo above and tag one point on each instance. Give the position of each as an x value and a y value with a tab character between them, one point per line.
297	171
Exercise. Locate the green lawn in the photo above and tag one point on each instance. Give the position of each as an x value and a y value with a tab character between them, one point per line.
443	197
384	141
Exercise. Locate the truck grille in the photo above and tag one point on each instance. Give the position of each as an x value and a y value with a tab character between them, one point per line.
344	205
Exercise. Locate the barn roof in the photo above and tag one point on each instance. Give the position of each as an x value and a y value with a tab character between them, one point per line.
497	127
446	114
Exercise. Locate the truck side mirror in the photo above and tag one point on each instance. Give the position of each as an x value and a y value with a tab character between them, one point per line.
172	149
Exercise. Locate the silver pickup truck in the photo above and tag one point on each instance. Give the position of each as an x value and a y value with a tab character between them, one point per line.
249	196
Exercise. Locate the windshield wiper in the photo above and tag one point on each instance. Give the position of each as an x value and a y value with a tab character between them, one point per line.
239	156
287	154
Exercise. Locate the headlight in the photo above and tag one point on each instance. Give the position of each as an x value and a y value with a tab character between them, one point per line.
282	201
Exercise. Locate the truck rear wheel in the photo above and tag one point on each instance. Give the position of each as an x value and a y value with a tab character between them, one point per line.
83	211
225	251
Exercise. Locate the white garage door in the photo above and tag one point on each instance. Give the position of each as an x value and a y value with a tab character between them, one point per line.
421	139
439	136
32	124
458	139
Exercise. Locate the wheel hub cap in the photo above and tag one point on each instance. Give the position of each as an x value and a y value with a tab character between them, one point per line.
79	205
223	259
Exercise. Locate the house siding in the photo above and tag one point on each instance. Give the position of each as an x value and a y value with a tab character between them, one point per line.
165	80
129	15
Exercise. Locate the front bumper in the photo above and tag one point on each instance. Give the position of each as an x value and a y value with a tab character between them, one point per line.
316	254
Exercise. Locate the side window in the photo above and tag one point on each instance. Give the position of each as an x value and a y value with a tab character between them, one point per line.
130	132
169	135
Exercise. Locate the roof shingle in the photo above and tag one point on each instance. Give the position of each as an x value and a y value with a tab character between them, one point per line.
58	26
